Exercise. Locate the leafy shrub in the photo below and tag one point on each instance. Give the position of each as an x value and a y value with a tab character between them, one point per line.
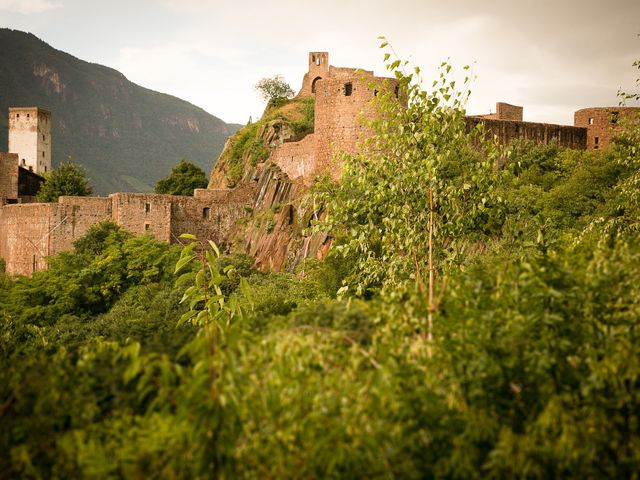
67	179
183	180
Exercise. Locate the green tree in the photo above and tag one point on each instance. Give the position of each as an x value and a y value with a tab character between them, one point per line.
183	179
274	89
417	191
67	179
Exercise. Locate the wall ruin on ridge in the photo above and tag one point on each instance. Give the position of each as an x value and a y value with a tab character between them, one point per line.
602	123
31	232
343	97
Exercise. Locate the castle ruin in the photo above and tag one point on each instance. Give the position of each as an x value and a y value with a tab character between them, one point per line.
30	232
342	95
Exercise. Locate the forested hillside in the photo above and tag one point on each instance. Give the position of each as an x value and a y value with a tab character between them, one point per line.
127	136
477	317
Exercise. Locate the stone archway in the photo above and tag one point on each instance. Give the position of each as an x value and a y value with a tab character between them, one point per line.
313	84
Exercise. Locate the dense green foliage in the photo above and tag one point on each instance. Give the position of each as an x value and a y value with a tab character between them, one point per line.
183	180
67	179
111	366
126	135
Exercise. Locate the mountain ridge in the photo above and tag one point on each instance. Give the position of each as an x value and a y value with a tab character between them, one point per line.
126	135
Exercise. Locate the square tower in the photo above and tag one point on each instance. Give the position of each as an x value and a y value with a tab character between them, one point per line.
30	137
318	63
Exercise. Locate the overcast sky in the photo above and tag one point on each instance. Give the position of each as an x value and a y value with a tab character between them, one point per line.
552	57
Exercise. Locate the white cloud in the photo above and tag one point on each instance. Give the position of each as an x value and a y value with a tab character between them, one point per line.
28	7
212	52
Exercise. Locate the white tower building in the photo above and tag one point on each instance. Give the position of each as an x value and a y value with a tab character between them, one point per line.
30	137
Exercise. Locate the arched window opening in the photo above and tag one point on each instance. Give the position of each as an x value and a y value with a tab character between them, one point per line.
313	84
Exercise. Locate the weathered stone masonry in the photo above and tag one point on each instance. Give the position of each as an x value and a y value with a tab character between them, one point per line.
342	96
30	232
601	123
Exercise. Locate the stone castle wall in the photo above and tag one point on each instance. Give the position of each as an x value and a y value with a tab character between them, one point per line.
31	232
25	239
297	159
80	214
142	213
343	100
505	111
602	123
341	106
508	131
8	177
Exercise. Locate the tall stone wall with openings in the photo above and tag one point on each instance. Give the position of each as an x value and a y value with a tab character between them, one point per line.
30	137
142	213
29	233
33	231
341	106
602	123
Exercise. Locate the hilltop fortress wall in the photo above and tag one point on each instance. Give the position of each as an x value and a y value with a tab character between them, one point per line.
343	96
30	232
508	131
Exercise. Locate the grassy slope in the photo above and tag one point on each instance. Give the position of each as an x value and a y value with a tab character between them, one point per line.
246	148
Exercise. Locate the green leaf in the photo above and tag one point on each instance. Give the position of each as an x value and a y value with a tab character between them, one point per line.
185	277
214	247
183	262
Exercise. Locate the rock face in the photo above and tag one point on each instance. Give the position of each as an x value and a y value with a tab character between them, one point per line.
277	233
270	135
281	208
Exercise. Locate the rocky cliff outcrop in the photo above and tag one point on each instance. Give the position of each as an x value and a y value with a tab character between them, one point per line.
277	233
